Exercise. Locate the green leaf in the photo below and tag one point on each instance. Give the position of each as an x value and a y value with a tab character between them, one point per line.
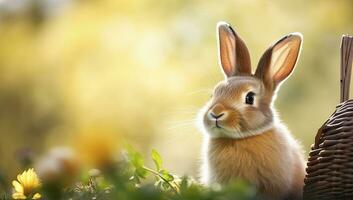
137	160
157	159
166	175
134	157
141	172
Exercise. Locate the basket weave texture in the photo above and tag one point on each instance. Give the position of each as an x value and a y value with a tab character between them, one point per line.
330	164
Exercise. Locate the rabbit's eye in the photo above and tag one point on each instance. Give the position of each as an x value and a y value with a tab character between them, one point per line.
249	99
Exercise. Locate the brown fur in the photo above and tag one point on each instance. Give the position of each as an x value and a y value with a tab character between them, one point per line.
270	161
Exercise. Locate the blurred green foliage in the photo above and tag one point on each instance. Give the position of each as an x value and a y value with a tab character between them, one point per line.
143	68
124	181
128	180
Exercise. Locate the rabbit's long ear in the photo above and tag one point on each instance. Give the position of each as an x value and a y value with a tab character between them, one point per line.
234	56
278	61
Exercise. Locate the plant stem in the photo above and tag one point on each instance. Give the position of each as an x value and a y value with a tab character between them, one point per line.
160	176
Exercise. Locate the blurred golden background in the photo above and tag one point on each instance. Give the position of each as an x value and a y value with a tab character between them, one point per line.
141	69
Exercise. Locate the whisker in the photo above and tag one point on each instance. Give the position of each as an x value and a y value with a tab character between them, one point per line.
181	122
182	125
181	112
191	110
176	125
193	120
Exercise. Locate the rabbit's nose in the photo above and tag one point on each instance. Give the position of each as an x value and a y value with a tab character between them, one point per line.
216	116
217	112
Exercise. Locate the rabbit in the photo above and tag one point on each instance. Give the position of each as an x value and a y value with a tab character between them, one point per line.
244	138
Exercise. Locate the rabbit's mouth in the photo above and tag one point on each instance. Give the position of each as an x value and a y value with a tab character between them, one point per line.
218	128
217	124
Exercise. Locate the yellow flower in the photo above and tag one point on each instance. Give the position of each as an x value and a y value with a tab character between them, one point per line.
26	185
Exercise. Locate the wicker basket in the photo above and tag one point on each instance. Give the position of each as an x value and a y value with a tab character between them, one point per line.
330	163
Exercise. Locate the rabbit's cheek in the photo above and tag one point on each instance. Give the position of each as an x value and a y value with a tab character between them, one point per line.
254	118
232	120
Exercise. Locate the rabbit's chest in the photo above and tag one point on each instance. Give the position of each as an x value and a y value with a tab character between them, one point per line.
259	160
